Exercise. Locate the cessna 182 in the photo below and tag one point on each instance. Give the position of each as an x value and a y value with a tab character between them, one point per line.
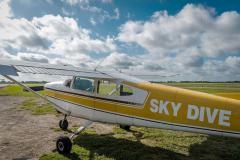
121	99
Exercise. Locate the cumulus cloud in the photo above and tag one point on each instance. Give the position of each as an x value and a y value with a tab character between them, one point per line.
74	2
68	38
173	44
50	34
233	61
153	67
32	57
106	1
5	10
50	39
85	5
193	61
194	26
120	61
80	60
81	2
5	55
100	14
188	42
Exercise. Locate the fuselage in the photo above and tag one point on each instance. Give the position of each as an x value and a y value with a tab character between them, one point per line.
151	105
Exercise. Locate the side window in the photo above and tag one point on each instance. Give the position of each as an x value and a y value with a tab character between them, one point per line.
111	88
107	88
121	92
83	84
125	90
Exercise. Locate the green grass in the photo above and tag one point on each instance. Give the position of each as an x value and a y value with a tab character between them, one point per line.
37	108
147	144
209	87
15	90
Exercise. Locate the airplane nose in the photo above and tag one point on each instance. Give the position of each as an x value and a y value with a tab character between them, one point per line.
54	85
47	85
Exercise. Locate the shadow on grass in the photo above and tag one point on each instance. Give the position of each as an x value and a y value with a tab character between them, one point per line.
73	156
214	148
122	149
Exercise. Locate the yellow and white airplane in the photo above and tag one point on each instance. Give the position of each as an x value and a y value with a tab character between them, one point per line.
121	99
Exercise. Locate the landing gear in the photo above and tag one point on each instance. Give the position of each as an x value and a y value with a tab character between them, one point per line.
82	128
125	127
64	144
63	124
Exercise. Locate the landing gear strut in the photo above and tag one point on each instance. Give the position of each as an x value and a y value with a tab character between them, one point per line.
63	124
64	144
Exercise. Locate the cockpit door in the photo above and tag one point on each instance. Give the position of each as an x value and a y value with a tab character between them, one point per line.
105	107
82	96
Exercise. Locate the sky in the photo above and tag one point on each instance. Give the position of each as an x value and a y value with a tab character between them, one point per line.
193	40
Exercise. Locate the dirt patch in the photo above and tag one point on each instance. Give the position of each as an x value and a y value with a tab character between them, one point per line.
27	136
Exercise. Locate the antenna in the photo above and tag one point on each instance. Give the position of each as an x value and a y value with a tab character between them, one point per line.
95	69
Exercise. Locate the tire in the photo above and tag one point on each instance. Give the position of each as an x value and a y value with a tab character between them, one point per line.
125	127
63	124
64	145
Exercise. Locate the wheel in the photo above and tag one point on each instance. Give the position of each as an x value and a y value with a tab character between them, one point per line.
64	145
63	124
125	127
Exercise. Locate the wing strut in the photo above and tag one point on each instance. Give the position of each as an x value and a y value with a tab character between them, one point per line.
30	90
26	87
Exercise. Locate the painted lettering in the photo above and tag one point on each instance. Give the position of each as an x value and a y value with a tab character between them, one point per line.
193	112
201	114
224	117
154	105
211	117
163	107
175	108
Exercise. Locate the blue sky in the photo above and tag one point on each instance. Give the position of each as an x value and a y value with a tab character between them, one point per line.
130	10
200	40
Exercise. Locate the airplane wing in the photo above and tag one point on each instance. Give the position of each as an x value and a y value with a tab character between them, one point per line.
13	67
9	68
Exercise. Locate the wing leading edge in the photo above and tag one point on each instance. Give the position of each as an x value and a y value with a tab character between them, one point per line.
12	67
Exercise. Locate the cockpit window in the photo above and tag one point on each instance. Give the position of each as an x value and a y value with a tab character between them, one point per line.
114	89
121	92
125	90
107	88
83	84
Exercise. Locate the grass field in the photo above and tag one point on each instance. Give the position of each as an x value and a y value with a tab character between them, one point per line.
15	90
213	88
36	107
147	143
